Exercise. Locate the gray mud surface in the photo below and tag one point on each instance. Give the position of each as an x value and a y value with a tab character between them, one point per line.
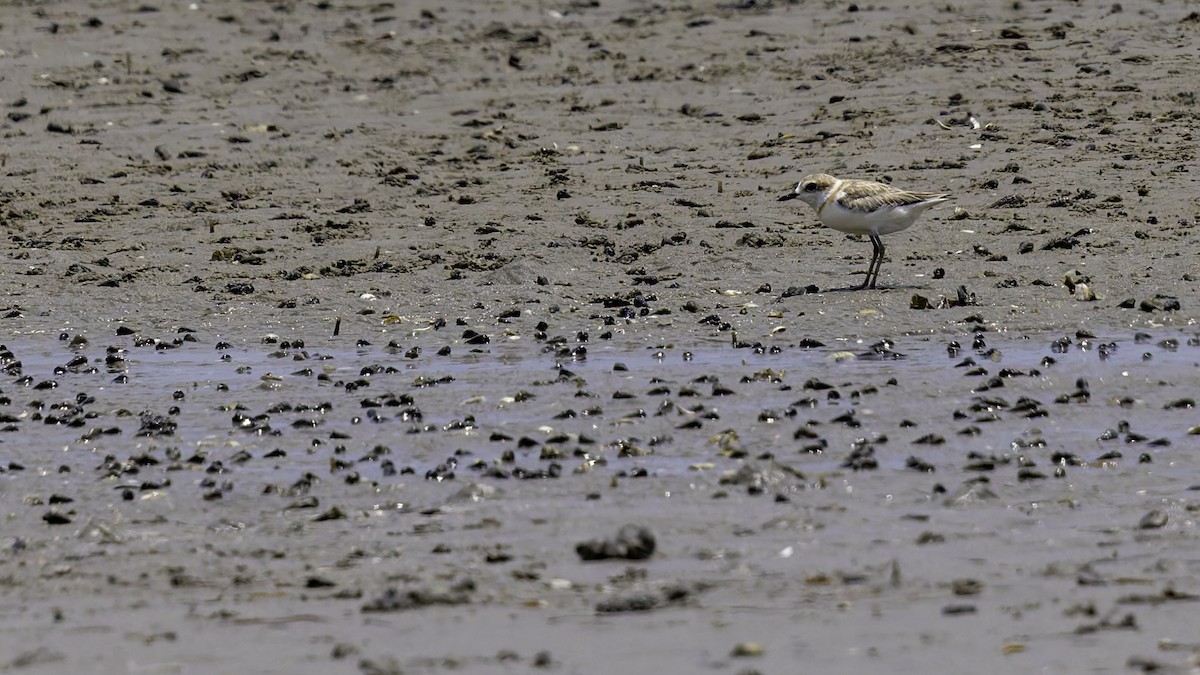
341	337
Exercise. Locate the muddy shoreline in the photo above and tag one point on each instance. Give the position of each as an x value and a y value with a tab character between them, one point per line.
332	330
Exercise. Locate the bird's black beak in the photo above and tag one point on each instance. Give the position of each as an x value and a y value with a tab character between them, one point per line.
788	197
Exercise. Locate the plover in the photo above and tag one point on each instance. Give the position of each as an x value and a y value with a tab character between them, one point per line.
863	207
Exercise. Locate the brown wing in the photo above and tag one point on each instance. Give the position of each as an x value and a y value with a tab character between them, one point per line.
871	196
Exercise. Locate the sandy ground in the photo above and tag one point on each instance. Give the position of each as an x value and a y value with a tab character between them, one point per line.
272	266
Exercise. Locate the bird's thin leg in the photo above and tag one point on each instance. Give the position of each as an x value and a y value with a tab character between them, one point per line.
876	261
870	266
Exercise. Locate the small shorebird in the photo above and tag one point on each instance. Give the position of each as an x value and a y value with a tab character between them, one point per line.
863	207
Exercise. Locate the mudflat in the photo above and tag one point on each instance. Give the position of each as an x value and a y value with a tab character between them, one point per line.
413	338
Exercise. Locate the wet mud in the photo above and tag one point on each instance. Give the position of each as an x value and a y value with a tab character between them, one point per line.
393	338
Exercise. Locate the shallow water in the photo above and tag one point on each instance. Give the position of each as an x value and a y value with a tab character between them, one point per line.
833	551
479	402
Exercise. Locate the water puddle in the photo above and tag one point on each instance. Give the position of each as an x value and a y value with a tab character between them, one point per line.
651	409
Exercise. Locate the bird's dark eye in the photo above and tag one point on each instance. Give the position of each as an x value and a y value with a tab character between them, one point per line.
811	187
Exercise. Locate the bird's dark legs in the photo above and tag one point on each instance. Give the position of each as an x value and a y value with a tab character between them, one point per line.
878	259
876	262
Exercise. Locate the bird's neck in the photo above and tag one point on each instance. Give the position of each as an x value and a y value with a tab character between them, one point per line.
830	196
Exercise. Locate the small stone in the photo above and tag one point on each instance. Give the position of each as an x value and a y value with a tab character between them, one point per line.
747	649
973	493
334	513
966	587
1153	520
958	610
632	542
342	650
56	518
